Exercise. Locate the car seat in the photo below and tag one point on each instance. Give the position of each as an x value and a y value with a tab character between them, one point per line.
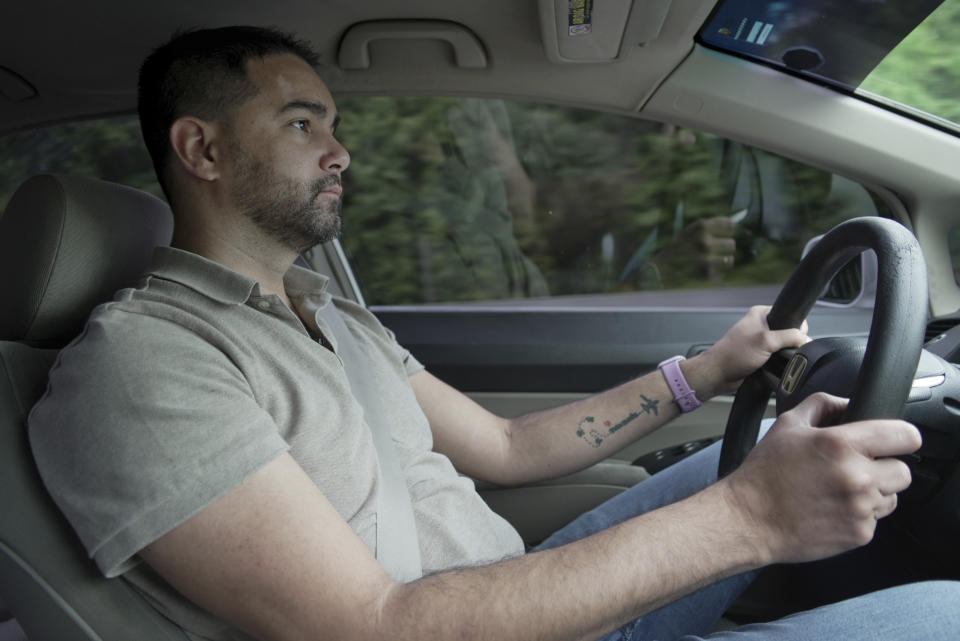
66	244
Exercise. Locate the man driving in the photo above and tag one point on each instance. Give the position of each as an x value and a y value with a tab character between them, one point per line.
205	441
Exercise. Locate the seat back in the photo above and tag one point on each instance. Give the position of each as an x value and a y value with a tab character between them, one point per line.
66	244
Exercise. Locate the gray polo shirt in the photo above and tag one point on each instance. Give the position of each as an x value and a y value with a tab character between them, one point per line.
178	390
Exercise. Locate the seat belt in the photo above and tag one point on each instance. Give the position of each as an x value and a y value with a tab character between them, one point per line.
398	547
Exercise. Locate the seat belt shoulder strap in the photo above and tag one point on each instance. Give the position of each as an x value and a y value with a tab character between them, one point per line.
398	546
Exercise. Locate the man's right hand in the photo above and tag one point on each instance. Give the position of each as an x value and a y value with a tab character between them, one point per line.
810	492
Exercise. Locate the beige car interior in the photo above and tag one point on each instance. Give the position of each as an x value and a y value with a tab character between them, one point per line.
68	243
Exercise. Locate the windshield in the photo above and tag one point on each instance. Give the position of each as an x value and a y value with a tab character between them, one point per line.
900	53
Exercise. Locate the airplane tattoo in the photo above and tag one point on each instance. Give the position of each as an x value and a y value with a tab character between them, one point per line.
593	436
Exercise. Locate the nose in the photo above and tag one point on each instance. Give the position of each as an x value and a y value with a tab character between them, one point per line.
337	158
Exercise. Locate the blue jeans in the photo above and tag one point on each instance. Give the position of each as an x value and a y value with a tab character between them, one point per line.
929	611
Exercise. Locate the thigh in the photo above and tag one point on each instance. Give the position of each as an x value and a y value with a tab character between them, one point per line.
670	485
697	612
928	611
676	482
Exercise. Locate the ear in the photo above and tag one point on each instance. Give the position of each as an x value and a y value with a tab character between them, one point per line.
193	141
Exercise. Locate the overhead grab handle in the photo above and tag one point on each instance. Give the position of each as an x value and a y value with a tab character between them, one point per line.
468	52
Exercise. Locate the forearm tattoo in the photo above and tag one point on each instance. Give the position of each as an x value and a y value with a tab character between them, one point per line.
593	433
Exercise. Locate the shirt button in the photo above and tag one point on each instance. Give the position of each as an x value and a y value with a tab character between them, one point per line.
263	304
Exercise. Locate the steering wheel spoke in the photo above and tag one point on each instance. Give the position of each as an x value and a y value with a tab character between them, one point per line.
773	369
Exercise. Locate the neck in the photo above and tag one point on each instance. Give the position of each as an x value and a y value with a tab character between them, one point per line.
246	251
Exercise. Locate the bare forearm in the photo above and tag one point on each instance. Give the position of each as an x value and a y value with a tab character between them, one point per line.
568	438
554	442
582	590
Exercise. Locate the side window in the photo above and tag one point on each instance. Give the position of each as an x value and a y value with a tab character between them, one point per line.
109	148
456	200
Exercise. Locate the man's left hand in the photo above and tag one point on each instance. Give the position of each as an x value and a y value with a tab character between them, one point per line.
743	349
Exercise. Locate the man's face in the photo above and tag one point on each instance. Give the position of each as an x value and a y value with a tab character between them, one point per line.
286	161
295	212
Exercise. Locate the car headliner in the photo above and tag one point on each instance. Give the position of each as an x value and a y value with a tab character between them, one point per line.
82	57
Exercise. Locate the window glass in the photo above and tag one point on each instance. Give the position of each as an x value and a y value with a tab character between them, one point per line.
923	70
454	200
459	200
900	53
110	149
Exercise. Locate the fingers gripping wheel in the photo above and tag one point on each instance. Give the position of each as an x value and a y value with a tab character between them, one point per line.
896	331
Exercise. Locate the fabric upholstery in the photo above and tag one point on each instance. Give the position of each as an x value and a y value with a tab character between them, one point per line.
67	243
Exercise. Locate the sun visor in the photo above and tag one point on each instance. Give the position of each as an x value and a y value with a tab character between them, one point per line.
592	31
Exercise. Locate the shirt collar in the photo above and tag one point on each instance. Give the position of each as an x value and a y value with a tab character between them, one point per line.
224	285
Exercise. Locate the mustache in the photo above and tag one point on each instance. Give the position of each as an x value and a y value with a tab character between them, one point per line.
325	183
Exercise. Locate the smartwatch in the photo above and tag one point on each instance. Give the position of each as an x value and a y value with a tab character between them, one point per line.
683	394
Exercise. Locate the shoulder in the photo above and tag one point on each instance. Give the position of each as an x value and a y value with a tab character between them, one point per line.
139	329
365	321
136	408
133	352
358	315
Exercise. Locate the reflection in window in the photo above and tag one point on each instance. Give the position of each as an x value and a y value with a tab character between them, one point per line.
108	148
468	199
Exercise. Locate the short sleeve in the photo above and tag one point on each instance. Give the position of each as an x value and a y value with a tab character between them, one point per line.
143	424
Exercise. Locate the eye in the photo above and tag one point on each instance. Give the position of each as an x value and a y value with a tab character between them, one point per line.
302	125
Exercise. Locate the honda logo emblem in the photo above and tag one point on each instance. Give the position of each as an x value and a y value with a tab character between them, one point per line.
793	374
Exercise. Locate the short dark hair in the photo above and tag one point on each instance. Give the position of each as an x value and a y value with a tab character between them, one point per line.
203	73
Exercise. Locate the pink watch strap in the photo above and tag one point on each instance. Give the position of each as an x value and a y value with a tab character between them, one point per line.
685	397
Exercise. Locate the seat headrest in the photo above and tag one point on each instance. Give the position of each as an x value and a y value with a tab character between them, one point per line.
68	243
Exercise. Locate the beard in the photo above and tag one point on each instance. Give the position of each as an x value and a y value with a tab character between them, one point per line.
291	212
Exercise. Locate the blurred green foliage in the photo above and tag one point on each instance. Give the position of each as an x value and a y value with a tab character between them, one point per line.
923	70
458	199
110	148
467	199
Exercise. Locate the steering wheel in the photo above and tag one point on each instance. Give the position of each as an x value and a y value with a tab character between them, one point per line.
891	353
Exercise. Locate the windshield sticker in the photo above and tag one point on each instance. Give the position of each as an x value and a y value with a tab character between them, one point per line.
743	23
839	42
752	31
759	32
580	17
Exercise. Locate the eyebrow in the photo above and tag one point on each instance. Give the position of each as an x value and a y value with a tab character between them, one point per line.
317	108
